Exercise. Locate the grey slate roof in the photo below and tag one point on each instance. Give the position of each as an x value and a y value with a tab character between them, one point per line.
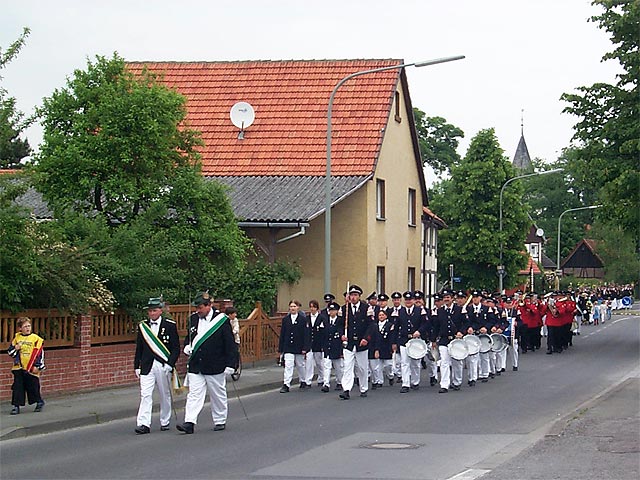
32	199
547	263
284	198
522	160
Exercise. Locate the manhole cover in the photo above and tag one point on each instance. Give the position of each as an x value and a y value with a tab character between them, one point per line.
391	446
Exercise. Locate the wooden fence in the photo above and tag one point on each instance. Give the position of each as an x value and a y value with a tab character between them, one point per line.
259	333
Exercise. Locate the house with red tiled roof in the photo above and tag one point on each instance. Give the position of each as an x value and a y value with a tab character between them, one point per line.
384	238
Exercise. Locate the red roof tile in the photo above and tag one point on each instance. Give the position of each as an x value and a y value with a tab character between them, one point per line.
531	264
290	99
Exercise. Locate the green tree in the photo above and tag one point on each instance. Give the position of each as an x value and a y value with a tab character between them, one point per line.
607	134
111	142
12	122
469	203
616	249
438	141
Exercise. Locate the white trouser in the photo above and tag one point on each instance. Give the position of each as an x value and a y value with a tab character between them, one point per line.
472	366
379	369
514	352
492	362
410	368
314	360
291	359
397	364
156	376
484	365
432	367
338	366
199	385
457	366
501	360
445	364
359	362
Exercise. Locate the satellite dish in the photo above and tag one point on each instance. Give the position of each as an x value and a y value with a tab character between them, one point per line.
242	116
540	233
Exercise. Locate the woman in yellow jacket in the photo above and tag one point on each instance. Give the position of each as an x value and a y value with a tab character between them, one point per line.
28	361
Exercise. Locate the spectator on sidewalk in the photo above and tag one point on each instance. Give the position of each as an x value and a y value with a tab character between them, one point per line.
157	351
28	361
212	353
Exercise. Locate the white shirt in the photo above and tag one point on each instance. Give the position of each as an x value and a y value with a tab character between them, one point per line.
205	322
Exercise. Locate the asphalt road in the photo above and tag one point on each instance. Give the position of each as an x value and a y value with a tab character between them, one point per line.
308	434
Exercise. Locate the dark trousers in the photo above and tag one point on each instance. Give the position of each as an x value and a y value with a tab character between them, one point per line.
24	382
554	339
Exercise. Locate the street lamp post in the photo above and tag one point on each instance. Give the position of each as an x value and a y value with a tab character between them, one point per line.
558	269
501	269
327	183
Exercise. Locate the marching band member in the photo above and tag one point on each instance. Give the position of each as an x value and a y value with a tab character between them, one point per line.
315	357
295	342
449	323
408	323
355	340
383	344
432	365
492	321
394	313
515	323
157	351
554	324
501	327
475	313
333	348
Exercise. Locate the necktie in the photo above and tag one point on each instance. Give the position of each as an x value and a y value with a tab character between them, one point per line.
153	324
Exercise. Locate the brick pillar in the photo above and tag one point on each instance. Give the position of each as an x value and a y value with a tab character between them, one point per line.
84	343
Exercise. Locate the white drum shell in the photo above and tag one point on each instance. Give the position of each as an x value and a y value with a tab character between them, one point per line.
473	344
458	349
417	348
498	342
485	343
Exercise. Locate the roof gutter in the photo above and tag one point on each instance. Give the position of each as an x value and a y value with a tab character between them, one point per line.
272	224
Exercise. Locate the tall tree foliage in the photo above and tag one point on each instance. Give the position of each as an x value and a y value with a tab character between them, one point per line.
13	149
607	134
470	204
438	141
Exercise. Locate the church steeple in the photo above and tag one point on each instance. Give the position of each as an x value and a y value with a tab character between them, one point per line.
522	160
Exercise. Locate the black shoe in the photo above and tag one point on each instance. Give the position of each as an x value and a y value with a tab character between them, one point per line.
220	426
404	390
523	351
142	429
284	389
324	389
374	386
39	406
443	390
320	384
433	381
338	387
472	383
492	375
164	428
499	372
549	352
455	387
345	395
391	382
415	387
515	369
186	427
484	380
15	410
304	386
363	394
503	370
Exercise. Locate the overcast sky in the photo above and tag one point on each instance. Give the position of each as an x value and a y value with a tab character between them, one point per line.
521	54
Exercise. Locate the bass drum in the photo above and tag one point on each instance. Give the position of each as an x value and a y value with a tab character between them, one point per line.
417	348
458	349
499	342
473	343
485	343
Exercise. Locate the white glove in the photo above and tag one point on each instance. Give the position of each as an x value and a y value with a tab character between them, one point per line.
167	368
137	372
188	350
229	370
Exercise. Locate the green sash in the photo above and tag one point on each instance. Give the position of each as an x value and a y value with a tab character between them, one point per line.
155	344
199	339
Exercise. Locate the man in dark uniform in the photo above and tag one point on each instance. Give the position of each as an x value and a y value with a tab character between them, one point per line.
355	341
476	313
383	344
448	324
408	323
212	352
157	350
333	348
394	312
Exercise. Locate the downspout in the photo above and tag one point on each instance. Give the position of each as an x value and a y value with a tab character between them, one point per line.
302	231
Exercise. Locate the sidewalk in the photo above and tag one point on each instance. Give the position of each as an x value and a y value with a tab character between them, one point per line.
76	410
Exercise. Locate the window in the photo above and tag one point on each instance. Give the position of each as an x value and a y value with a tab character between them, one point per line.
411	279
412	207
380	287
380	199
398	118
